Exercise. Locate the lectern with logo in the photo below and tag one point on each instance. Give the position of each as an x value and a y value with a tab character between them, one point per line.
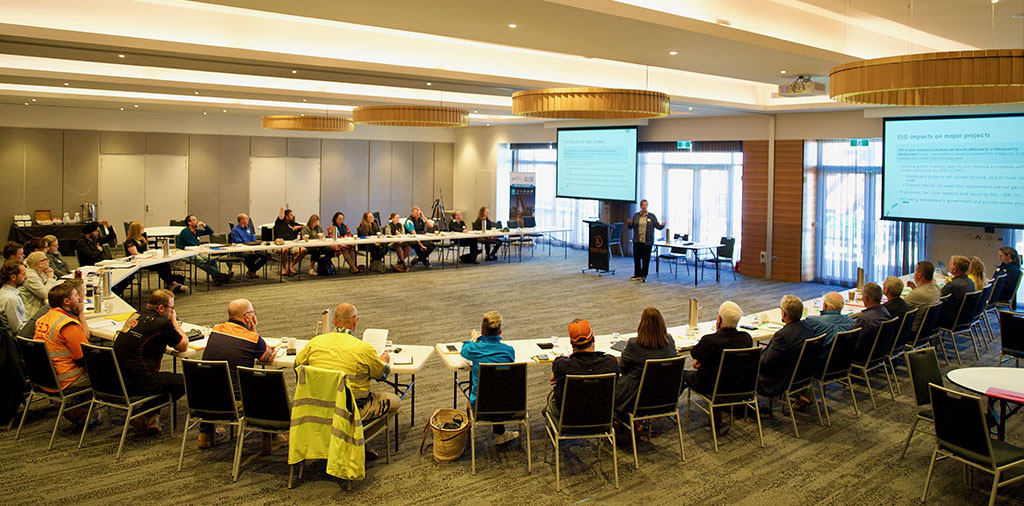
599	256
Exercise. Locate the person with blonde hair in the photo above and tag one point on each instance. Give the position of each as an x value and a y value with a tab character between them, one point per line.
312	230
60	267
136	244
652	341
39	279
485	347
976	273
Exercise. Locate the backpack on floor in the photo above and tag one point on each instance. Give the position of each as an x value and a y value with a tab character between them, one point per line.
325	267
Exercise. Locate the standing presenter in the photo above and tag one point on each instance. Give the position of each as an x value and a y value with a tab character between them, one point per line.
643	224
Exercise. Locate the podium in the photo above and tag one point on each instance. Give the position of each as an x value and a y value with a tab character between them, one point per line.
598	254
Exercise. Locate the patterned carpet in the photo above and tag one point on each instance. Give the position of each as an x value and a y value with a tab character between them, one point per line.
853	462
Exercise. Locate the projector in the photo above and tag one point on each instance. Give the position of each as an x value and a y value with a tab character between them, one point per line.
802	87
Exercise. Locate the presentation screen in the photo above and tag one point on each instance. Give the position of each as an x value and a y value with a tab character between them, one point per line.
597	163
963	169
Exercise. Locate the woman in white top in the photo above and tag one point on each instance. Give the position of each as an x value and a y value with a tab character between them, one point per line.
39	279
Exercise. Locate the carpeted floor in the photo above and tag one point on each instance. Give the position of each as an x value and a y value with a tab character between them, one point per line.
853	462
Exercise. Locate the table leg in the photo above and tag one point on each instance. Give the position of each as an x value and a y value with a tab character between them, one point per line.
565	245
695	266
455	389
1002	420
718	275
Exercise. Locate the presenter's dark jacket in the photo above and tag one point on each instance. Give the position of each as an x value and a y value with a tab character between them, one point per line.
869	320
779	359
631	366
708	352
1012	272
956	288
652	223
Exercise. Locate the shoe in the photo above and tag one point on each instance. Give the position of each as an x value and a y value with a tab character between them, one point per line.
362	268
801	403
500	439
370	454
271	443
414	261
153	425
252	275
426	264
635	278
643	280
139	424
176	288
312	271
354	270
377	266
396	268
209	440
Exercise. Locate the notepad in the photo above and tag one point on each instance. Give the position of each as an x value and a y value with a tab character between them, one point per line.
377	338
398	359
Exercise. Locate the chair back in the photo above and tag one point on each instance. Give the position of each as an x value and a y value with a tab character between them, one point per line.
37	364
929	323
588	403
1011	333
529	222
660	384
728	244
107	253
903	332
500	391
840	357
265	399
616	235
376	217
986	295
104	374
966	313
513	224
1013	294
208	389
999	282
737	375
883	340
497	225
219	238
924	369
807	362
960	426
176	223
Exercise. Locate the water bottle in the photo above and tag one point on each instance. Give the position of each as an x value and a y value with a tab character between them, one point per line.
167	248
105	282
97	301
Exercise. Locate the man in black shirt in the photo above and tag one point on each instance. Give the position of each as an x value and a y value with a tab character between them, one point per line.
870	318
783	351
140	348
418	224
893	288
707	354
584	360
286	229
459	226
90	249
956	287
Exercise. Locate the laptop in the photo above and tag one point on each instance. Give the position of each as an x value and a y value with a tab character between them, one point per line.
266	234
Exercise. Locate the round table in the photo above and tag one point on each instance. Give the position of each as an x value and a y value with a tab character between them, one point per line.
981	379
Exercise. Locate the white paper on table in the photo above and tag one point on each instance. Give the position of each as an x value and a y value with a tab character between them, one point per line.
103	323
377	338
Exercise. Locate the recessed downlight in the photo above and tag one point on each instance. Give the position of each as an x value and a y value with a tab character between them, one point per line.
429	83
67	84
122	108
197	93
136	106
223	110
295	72
673	53
512	25
204	113
782	71
120	56
33	100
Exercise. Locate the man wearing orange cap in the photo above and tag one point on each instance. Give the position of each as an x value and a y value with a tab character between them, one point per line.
583	361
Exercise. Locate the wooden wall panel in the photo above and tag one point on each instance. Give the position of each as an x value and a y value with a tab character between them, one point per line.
787	222
754	221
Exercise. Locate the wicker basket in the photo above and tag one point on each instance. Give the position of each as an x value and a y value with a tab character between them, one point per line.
449	444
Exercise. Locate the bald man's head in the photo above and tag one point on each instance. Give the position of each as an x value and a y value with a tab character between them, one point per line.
833	301
345	316
238	308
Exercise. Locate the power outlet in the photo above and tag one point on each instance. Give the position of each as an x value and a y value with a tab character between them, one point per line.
764	257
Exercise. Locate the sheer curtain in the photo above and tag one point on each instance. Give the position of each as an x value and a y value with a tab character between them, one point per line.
549	210
849	232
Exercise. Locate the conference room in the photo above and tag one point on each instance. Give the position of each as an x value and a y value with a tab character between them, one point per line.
420	250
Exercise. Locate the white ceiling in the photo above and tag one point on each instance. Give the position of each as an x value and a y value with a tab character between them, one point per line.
265	56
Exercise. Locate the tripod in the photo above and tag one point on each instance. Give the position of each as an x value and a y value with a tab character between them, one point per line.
437	213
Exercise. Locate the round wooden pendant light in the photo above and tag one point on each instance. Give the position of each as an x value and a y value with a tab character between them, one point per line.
590	103
411	116
314	123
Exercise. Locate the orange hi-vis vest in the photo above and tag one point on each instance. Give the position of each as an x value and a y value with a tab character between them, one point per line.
48	328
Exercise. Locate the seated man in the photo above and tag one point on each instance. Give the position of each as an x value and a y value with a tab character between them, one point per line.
13	275
486	347
893	289
90	249
830	322
707	354
417	224
140	348
783	351
60	267
459	226
286	229
14	251
241	234
342	351
870	319
583	360
956	287
38	281
189	236
924	292
236	342
62	329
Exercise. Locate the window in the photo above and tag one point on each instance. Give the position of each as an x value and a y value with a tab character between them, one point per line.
697	193
849	232
550	211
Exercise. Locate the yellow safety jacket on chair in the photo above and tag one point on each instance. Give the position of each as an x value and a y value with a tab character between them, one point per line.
326	423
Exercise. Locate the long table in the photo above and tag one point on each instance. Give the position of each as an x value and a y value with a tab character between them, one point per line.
687	247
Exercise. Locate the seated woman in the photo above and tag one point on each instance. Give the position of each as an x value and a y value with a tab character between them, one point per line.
60	267
492	244
976	273
652	341
368	227
337	230
137	244
396	227
1009	264
311	231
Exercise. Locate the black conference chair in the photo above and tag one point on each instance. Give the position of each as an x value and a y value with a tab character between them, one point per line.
978	319
803	371
108	389
177	223
266	404
658	397
587	412
838	366
923	365
899	344
962	323
874	358
997	290
724	256
231	259
531	222
210	396
44	384
962	434
988	298
1009	301
676	256
500	399
928	329
1011	336
735	385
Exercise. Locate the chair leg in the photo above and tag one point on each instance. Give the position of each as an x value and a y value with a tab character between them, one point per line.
615	460
714	431
757	415
24	414
529	458
816	408
236	466
60	412
558	472
632	435
291	475
472	446
928	477
792	414
896	379
687	410
995	487
824	404
909	436
124	432
184	437
889	381
85	426
679	429
849	383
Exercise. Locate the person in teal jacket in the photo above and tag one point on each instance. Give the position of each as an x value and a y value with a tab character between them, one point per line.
485	347
189	236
